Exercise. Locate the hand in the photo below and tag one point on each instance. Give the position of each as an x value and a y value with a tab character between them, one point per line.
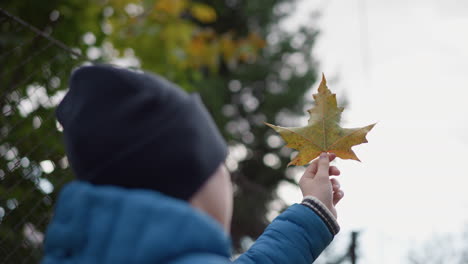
316	182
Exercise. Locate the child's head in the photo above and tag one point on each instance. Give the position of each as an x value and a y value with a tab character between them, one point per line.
136	130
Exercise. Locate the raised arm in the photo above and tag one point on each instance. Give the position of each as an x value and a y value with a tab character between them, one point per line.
304	230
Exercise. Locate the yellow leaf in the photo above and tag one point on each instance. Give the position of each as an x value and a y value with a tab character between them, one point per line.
228	47
256	40
171	7
196	47
323	132
203	13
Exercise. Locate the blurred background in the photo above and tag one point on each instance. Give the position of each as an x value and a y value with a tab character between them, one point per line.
403	64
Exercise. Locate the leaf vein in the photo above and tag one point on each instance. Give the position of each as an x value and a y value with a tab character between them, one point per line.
285	128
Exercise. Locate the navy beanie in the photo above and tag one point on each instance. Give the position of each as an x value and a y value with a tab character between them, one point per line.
138	130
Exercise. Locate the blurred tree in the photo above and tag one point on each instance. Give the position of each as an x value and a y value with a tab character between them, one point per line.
267	87
234	53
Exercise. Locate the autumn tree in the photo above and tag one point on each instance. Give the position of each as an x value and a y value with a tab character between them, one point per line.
270	87
247	69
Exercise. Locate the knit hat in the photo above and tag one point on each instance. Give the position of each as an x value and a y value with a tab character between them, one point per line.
138	130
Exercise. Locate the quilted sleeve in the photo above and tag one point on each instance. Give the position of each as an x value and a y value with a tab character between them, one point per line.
296	236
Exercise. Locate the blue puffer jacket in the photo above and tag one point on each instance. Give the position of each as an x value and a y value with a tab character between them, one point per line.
111	225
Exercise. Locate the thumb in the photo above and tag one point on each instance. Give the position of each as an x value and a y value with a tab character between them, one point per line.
323	166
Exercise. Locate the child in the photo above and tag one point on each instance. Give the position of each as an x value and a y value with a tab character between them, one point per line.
152	186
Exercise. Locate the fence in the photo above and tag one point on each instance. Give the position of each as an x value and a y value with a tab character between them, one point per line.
33	75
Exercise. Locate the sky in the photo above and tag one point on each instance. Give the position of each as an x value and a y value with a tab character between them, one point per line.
404	65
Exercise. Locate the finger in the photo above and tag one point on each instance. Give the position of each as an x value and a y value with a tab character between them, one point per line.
323	165
312	168
337	196
334	171
335	185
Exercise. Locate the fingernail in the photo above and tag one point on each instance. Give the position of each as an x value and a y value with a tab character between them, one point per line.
323	155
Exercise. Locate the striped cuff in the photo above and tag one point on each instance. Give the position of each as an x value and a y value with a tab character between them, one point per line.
319	208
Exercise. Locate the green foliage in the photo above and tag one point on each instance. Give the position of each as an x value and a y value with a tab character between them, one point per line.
216	48
32	75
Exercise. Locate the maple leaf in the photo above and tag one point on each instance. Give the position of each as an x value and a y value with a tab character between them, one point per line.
323	132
